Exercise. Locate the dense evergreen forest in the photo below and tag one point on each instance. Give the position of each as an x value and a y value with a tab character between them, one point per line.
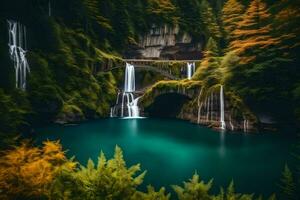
252	47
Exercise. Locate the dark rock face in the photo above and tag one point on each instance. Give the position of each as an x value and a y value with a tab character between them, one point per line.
166	42
200	107
69	118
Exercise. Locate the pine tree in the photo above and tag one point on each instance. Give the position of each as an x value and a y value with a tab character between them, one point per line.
231	15
210	20
211	61
93	13
253	31
212	49
287	184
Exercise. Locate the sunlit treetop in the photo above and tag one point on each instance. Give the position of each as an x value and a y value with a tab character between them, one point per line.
232	14
253	31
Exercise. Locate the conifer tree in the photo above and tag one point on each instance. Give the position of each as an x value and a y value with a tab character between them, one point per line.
287	184
232	14
93	13
210	20
211	61
253	31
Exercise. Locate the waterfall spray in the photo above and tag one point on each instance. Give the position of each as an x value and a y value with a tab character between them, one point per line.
17	49
222	116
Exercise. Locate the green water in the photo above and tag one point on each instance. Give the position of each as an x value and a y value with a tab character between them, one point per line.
171	151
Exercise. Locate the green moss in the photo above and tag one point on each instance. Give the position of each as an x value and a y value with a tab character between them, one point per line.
168	86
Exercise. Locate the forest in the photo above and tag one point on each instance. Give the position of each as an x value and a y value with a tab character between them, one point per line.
73	53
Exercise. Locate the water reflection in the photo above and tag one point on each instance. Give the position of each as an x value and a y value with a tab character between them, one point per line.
222	143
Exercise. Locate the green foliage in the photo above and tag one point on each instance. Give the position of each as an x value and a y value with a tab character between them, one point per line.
287	184
109	179
210	20
46	101
28	172
193	189
13	112
230	194
209	70
151	194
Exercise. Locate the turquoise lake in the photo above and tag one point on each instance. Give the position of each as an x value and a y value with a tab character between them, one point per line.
172	150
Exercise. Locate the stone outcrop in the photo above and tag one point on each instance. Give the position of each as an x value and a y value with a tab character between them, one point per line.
203	105
70	114
166	42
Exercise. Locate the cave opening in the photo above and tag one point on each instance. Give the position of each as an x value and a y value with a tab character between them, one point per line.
166	105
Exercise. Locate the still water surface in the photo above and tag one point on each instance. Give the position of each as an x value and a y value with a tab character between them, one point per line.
172	150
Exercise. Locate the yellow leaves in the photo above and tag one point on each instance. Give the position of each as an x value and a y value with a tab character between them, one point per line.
161	6
252	32
287	13
29	171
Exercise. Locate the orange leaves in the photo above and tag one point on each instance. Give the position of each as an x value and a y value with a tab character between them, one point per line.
232	14
28	171
253	31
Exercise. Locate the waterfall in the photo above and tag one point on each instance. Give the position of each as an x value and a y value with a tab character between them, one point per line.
111	112
212	107
128	102
129	78
208	109
231	125
135	112
190	70
222	116
199	106
17	50
246	123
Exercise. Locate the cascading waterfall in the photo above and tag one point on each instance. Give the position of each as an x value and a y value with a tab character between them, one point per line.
128	102
222	116
190	70
17	50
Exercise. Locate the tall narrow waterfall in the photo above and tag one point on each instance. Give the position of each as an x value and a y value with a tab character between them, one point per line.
190	70
222	116
129	85
17	50
129	105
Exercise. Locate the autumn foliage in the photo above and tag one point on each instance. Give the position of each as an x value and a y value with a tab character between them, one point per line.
253	31
27	171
